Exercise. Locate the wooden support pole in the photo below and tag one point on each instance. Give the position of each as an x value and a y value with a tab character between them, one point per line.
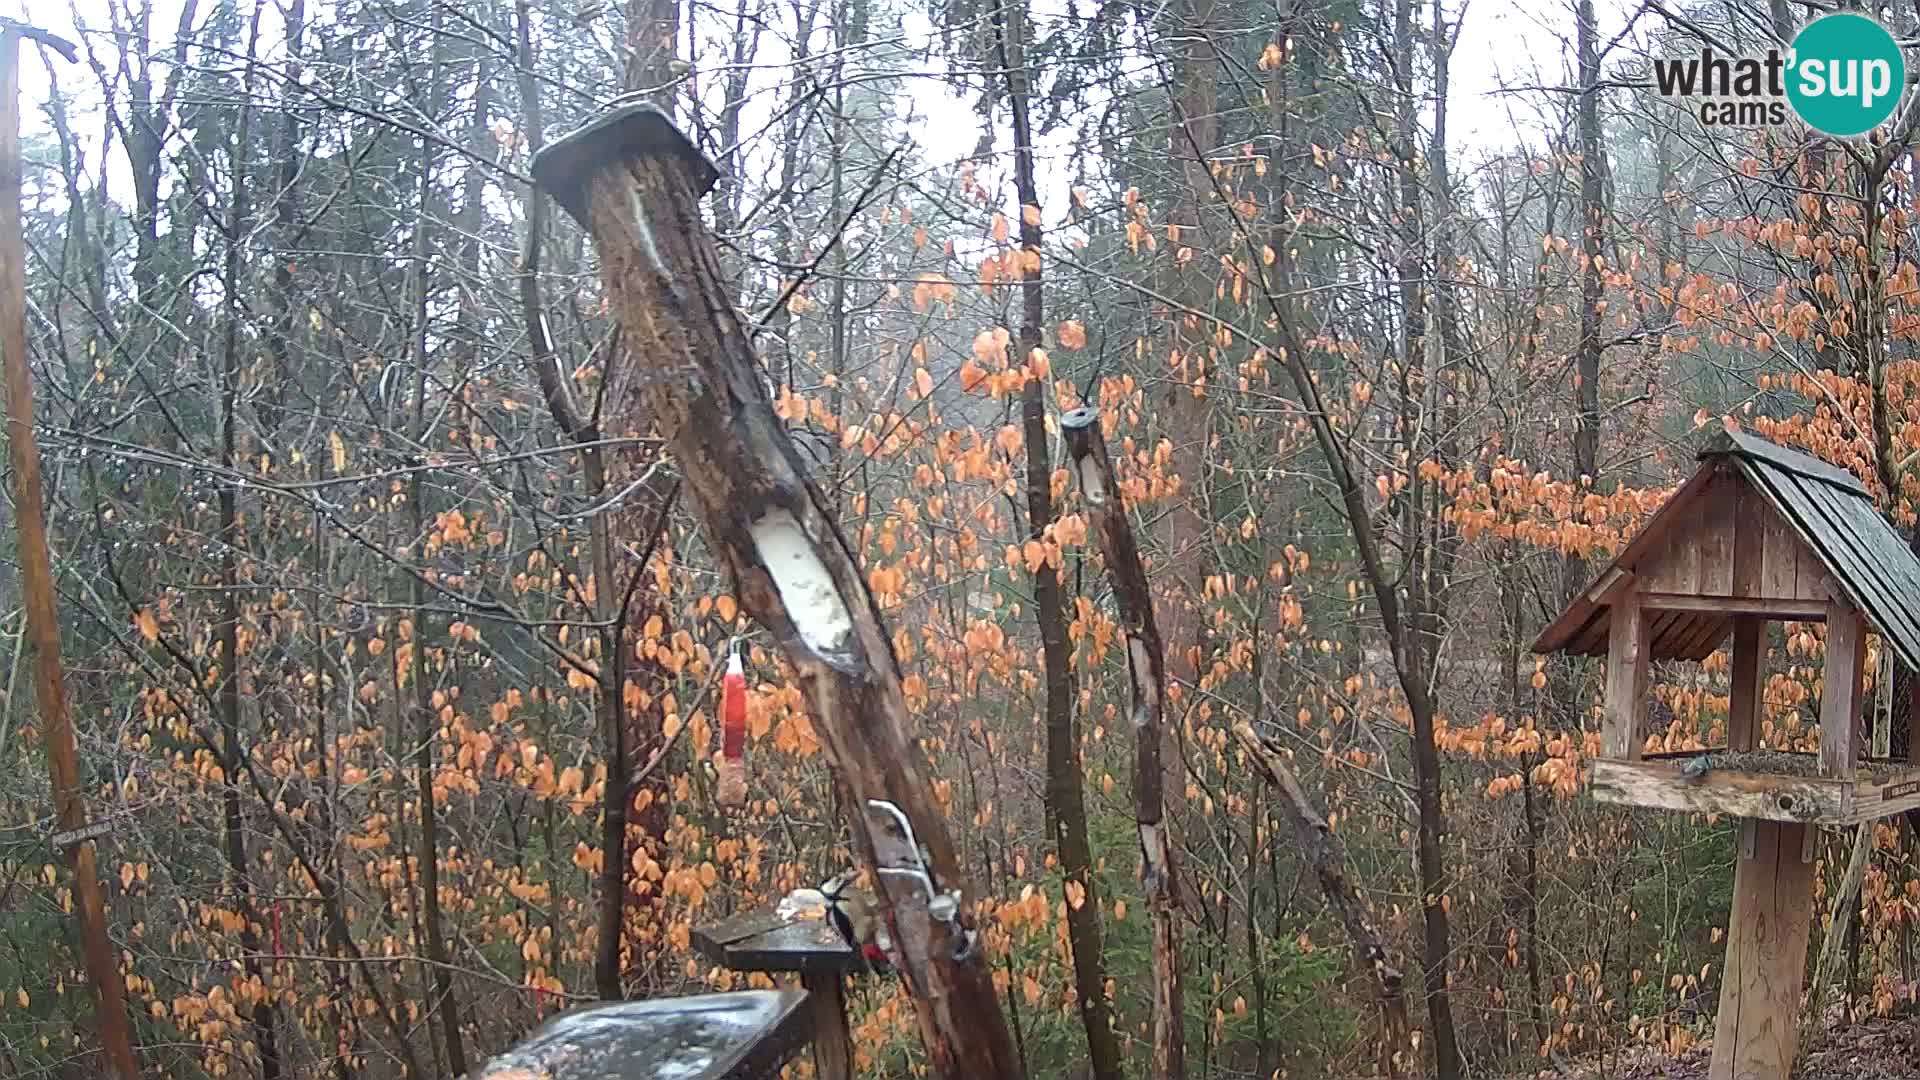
1840	689
1627	648
1756	1032
634	182
1841	729
1147	669
36	574
1748	691
832	1039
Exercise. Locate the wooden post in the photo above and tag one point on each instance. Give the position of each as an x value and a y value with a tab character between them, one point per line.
1147	668
634	182
1840	689
1755	1034
1748	691
832	1039
36	571
1840	735
1627	648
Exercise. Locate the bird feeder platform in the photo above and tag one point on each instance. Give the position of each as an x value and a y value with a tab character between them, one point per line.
1759	534
747	1035
1736	788
760	940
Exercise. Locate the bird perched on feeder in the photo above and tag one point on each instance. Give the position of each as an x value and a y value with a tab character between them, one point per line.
1696	768
732	787
858	922
852	915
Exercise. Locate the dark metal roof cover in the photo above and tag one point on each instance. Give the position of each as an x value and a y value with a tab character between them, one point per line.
1833	513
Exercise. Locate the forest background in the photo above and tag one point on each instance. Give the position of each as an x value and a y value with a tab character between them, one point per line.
393	652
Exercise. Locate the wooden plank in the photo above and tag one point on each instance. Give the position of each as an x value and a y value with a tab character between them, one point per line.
1881	715
1840	689
1675	566
1812	575
832	1039
1611	583
1626	677
1714	541
743	925
1859	531
1804	504
1750	517
1891	795
1781	552
1749	682
1756	1032
1783	609
1591	640
1663	627
1661	785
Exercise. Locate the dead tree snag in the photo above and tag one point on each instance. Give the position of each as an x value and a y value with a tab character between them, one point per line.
1147	671
1322	850
633	181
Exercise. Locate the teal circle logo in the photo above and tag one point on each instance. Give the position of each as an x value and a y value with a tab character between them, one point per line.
1845	75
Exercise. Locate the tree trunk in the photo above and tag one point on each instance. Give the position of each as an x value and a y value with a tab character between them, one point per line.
1066	797
37	589
233	819
633	181
1586	424
653	31
623	745
426	725
1187	423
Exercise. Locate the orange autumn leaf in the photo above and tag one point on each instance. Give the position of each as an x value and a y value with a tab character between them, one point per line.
990	345
970	376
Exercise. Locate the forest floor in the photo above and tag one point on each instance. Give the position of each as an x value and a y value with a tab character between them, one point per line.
1871	1050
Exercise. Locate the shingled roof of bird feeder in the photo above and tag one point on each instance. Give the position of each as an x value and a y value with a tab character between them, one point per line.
1843	543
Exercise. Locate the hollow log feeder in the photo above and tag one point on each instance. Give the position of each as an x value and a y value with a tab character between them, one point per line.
634	182
1760	533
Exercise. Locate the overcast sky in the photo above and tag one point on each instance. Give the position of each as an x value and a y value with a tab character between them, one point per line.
1505	43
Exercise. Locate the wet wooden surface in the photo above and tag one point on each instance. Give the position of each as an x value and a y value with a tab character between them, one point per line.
746	1035
759	940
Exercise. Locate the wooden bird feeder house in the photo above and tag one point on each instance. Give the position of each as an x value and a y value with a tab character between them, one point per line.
1759	533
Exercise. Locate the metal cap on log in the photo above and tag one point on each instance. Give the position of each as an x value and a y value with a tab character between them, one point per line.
564	166
1080	419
